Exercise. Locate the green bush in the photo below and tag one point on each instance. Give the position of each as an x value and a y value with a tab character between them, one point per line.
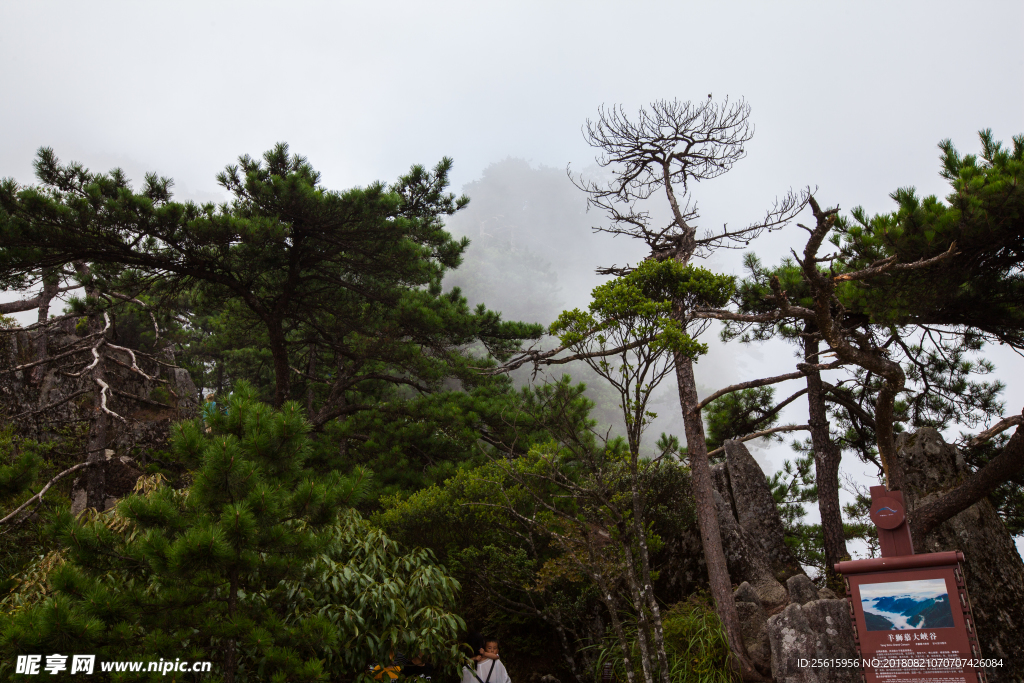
695	644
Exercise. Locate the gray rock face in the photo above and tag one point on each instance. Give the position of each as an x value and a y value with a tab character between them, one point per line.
120	474
834	639
752	531
993	569
746	560
754	626
791	640
755	507
801	589
820	629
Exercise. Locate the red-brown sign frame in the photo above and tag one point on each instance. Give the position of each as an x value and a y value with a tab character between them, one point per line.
933	645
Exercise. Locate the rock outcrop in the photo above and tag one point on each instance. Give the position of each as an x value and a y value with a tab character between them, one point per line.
752	536
754	625
801	589
754	508
56	400
993	569
819	629
752	533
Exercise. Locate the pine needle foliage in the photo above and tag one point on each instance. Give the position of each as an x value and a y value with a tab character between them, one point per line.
248	567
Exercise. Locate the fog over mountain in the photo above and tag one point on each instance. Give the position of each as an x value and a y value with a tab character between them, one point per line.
533	253
851	99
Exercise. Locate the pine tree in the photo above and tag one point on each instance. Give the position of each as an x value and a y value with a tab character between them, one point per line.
231	568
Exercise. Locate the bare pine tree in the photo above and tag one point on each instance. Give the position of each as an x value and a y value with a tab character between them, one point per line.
73	360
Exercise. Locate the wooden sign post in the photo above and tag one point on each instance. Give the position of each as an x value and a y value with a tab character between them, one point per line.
911	613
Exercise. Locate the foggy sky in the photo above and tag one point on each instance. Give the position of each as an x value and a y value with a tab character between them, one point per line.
849	98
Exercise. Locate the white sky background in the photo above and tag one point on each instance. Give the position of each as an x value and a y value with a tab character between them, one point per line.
849	97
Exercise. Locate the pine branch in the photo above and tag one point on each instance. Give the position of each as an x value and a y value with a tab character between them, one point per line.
766	432
806	368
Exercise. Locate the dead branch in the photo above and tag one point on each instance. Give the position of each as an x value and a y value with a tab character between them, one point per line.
104	390
997	428
39	496
131	354
805	368
539	358
766	432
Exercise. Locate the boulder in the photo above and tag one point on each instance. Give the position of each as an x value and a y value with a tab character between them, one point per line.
826	593
833	638
791	640
746	593
754	626
819	629
801	589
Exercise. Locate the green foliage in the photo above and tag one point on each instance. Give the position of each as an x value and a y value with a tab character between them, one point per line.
792	487
740	413
641	303
344	285
630	333
514	569
24	465
249	567
378	600
421	441
981	287
695	642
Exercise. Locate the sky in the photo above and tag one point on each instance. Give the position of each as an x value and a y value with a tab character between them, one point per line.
921	589
848	98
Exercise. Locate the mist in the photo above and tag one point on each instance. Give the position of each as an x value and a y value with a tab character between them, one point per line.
847	99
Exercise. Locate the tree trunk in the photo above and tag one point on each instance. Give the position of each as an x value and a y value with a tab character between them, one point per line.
311	371
642	622
707	518
608	598
282	373
50	283
927	518
865	354
826	470
96	477
647	588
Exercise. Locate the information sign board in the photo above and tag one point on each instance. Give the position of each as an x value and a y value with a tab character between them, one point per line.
911	613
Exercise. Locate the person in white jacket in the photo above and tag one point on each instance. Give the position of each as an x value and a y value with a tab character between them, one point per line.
488	667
